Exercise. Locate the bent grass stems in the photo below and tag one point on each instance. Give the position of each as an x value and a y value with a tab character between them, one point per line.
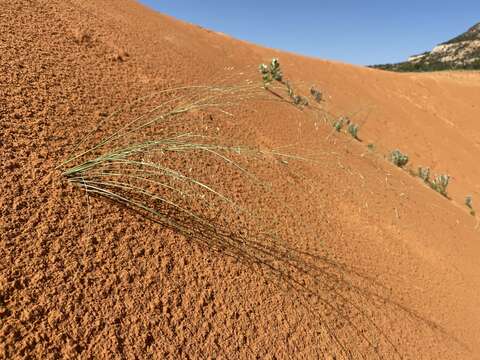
137	174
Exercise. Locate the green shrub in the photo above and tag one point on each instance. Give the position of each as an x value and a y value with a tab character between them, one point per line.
398	158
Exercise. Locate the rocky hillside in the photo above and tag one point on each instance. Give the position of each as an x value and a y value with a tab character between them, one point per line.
461	52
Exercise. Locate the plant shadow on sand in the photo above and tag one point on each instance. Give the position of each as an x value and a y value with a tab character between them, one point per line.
345	306
344	303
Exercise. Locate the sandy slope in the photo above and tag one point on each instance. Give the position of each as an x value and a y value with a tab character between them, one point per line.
389	268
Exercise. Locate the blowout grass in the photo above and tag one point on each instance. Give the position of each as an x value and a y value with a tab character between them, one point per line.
135	165
156	165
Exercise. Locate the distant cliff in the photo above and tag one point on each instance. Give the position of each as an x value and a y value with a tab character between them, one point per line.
461	52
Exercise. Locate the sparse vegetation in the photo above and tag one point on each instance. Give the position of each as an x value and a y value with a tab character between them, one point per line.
338	124
316	94
353	130
469	204
271	73
440	184
131	165
469	201
424	173
398	158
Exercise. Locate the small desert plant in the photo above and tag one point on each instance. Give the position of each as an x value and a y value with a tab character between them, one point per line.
371	147
299	100
296	99
440	184
271	73
424	173
353	130
316	94
337	125
340	123
469	201
274	81
469	204
398	158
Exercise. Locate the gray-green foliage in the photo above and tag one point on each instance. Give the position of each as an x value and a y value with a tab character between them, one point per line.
469	204
271	73
133	165
398	158
353	130
337	125
424	173
299	100
316	94
440	184
469	201
296	99
340	123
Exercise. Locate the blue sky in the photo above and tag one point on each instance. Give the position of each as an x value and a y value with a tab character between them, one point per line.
355	31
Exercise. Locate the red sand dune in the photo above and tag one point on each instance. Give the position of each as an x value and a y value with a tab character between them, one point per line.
381	266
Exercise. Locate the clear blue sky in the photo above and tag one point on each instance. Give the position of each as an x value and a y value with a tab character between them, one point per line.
354	31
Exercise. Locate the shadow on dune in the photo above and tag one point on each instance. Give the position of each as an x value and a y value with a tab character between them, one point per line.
347	306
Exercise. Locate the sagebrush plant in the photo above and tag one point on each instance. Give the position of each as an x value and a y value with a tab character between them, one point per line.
440	184
469	204
339	123
353	130
271	73
316	94
398	158
424	173
469	201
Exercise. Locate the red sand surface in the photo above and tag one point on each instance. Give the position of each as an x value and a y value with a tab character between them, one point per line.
373	263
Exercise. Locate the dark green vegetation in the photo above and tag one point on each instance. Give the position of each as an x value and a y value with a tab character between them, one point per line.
428	65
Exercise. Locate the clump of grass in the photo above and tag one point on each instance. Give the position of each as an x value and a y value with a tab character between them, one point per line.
469	204
398	158
130	165
371	147
424	174
352	129
440	184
